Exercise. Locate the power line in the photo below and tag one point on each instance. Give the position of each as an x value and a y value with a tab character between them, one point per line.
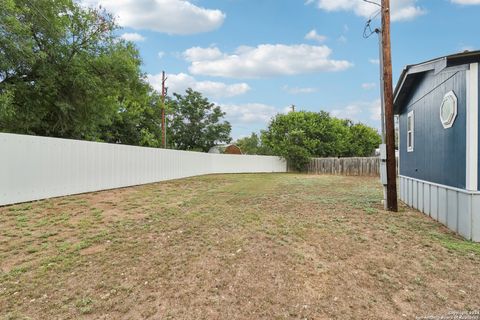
373	2
375	15
367	31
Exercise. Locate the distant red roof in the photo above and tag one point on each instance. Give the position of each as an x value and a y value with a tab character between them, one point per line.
232	149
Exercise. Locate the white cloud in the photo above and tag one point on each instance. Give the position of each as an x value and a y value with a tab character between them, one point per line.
374	61
263	61
359	111
168	16
249	113
161	54
299	90
313	35
368	85
466	2
203	54
135	37
401	9
178	83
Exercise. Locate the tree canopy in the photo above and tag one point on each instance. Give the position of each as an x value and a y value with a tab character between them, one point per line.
65	73
63	69
297	136
195	123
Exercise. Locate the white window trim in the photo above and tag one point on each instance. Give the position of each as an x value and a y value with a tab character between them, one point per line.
450	123
411	145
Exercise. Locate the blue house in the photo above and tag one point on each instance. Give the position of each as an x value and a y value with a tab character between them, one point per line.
437	103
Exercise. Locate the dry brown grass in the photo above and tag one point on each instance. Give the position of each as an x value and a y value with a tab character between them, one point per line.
269	246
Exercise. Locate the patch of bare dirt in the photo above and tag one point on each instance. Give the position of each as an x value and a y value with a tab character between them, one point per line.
273	246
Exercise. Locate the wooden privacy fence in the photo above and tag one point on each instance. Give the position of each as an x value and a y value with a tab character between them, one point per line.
345	166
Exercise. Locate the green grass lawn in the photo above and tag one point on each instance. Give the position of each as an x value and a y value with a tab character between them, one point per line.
251	246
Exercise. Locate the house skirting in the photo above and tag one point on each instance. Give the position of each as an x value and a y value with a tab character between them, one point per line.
457	209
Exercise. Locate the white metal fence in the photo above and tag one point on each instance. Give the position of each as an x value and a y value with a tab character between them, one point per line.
33	168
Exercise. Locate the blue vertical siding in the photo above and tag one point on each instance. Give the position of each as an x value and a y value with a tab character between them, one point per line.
439	154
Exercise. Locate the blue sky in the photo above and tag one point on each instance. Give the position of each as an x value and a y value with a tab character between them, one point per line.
255	58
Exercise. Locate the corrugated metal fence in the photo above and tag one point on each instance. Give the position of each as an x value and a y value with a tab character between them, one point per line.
345	166
33	168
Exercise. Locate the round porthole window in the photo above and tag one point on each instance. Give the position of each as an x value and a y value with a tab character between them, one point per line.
448	110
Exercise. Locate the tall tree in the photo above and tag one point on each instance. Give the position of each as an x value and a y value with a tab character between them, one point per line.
195	123
64	73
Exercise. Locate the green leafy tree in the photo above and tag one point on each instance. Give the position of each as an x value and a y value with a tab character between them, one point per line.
363	141
138	121
64	73
298	136
195	123
253	145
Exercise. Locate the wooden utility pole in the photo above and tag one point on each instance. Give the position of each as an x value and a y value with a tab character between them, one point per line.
392	204
164	142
